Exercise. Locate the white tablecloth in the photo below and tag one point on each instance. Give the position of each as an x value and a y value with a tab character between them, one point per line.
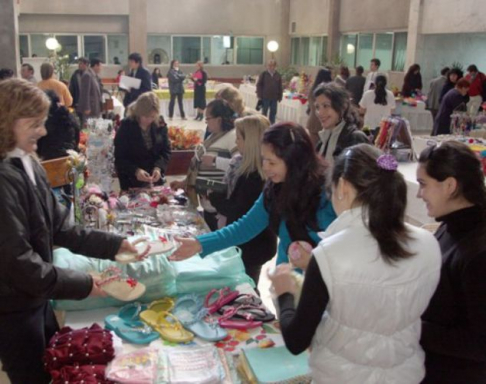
420	119
288	110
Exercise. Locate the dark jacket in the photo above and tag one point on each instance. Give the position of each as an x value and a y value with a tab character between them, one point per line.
247	190
32	223
176	81
355	85
451	102
90	97
270	87
145	86
75	86
350	135
62	130
131	152
454	324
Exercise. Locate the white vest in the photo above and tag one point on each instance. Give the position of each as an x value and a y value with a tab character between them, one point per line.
371	329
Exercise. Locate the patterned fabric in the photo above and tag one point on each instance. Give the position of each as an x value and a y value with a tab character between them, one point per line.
231	176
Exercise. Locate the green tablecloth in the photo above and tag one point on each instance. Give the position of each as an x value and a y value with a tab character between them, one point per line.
163	94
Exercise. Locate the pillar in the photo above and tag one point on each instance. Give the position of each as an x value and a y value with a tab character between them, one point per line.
333	35
137	28
9	35
414	18
284	41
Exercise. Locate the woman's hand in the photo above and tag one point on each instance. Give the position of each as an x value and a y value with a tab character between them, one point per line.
208	160
175	185
143	176
300	253
156	175
282	280
187	248
96	290
127	247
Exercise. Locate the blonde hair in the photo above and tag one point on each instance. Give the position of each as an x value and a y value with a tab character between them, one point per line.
46	70
251	129
145	104
233	97
19	99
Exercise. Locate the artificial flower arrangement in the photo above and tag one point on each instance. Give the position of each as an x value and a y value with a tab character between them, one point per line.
299	88
97	207
183	139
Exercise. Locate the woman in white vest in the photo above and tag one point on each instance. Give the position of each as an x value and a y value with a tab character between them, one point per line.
367	283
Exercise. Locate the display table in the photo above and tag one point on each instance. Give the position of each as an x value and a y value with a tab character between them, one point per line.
288	110
188	101
419	118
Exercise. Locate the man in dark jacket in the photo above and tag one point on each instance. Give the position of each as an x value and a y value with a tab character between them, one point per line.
139	72
355	85
90	100
270	90
75	82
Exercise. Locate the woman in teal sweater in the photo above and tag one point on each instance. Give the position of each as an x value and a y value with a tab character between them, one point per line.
293	202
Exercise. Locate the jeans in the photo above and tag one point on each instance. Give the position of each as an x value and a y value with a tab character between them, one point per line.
179	101
272	105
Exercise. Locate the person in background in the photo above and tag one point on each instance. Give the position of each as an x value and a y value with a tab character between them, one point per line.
245	180
119	74
451	183
476	91
62	131
355	85
6	73
142	146
454	100
292	212
27	73
33	222
156	75
339	121
270	90
176	88
90	98
343	76
48	82
452	77
370	77
138	71
435	88
313	125
377	103
367	282
233	97
200	77
75	82
412	83
116	60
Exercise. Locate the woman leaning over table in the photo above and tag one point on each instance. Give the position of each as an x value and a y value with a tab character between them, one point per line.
367	283
451	183
293	203
32	223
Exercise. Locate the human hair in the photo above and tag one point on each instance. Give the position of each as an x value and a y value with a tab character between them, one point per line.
19	99
344	72
136	57
220	108
172	62
297	199
375	187
463	83
120	71
200	63
444	71
272	62
340	101
233	97
380	90
95	62
359	70
29	67
323	76
251	129
376	61
83	60
156	71
47	70
411	70
6	73
145	104
456	71
472	68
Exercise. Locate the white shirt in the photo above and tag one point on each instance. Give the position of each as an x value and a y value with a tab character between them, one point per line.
375	112
26	161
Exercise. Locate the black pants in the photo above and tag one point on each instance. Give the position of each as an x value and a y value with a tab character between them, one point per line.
179	101
23	339
253	271
211	220
272	106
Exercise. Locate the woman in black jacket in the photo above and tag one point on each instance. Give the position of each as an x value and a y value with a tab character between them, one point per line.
452	185
245	184
62	131
32	223
142	147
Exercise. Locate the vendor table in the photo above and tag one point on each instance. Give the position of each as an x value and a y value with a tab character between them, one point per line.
288	110
188	101
419	118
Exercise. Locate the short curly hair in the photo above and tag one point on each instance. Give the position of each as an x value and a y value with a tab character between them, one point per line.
19	99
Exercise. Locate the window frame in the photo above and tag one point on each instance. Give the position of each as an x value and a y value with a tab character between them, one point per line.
300	53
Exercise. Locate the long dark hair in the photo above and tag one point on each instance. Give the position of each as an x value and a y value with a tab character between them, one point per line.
456	71
380	90
375	186
221	108
340	101
324	75
172	63
297	199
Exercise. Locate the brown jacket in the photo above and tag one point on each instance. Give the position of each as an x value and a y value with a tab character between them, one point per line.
270	87
90	94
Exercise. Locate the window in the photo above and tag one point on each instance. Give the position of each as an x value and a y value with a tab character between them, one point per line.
383	50
249	50
304	46
39	45
159	48
24	45
68	45
308	50
294	51
315	51
186	49
94	47
222	50
365	49
117	49
348	49
206	56
399	51
323	59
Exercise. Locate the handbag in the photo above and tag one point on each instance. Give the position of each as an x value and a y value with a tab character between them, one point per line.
205	184
108	105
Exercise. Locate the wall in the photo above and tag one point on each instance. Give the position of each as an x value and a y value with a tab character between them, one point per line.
30	23
311	17
374	15
85	7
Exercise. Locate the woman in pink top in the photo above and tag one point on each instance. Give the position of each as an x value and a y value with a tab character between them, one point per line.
200	77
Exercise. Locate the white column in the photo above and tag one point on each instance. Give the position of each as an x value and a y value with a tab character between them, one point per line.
137	28
9	35
413	31
333	29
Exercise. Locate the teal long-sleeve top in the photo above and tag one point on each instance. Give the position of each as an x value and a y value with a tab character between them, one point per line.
254	222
